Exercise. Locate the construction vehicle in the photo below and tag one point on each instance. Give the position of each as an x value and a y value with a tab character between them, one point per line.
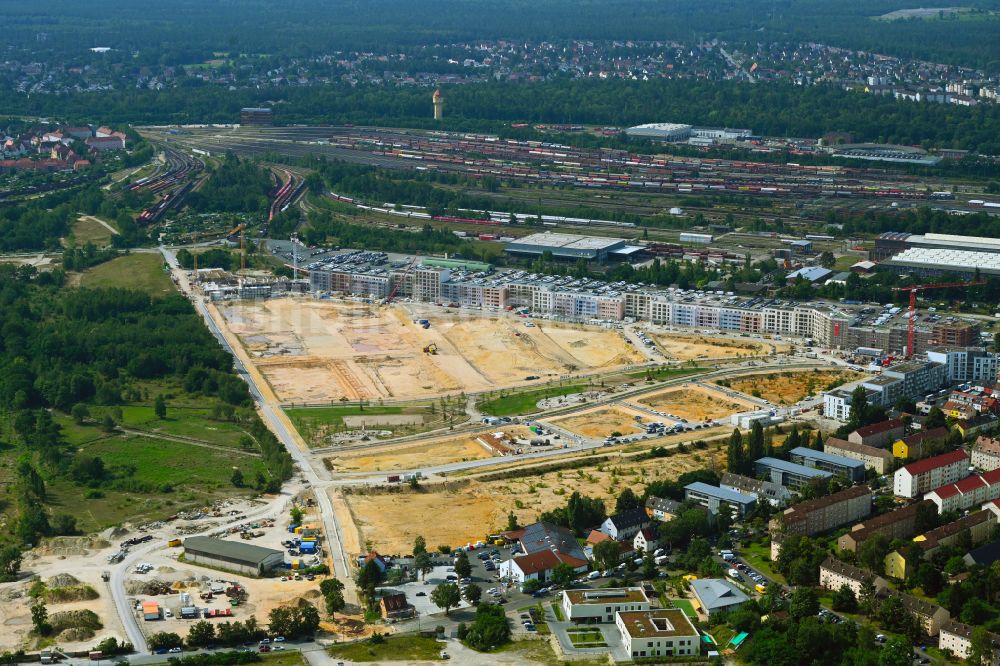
105	576
399	282
912	314
431	349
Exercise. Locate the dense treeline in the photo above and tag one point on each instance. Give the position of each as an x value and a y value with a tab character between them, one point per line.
772	109
74	349
188	31
236	186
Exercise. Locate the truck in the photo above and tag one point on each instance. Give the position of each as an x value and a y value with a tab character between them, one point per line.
173	543
392	478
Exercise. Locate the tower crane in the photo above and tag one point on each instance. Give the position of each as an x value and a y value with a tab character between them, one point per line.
399	282
911	315
243	244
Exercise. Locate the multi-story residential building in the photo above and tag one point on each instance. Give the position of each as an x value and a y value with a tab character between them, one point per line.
913	447
930	617
967	493
898	524
849	468
966	364
788	474
919	477
662	509
978	526
663	632
957	638
824	513
834	574
986	453
772	493
601	606
878	434
871	457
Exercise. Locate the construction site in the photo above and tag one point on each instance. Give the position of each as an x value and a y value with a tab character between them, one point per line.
696	402
316	351
787	387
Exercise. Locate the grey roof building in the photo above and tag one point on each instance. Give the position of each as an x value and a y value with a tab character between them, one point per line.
715	595
788	474
840	465
773	493
712	497
569	246
546	536
233	555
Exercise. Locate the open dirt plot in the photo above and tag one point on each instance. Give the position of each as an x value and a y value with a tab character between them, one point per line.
323	350
410	456
391	519
685	347
601	422
786	388
695	403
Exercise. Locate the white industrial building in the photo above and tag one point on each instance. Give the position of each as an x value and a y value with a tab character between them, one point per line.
939	261
660	131
600	606
664	632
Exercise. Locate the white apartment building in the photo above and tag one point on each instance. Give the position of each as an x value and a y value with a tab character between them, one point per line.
966	364
664	632
957	637
919	477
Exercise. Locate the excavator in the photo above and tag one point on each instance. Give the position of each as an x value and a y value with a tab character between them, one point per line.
431	349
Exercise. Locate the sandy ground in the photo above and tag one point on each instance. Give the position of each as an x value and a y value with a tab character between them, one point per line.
601	422
410	456
686	347
323	350
459	512
85	558
786	388
695	403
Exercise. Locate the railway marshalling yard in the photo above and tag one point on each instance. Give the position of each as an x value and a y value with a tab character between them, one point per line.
330	354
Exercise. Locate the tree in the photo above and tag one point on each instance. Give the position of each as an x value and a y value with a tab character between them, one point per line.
512	522
201	634
423	564
296	514
419	546
981	651
490	629
40	620
368	577
80	413
844	600
896	652
446	596
627	501
562	574
160	407
868	599
462	567
164	639
736	460
472	593
935	419
826	259
803	604
10	562
237	478
333	595
607	553
755	444
872	552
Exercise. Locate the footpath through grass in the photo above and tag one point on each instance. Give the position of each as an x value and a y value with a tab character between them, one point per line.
316	423
393	648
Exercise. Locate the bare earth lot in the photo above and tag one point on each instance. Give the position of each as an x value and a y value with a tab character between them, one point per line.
601	422
322	351
459	512
786	388
695	403
410	456
685	347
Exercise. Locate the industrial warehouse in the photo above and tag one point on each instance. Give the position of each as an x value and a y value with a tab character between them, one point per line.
234	556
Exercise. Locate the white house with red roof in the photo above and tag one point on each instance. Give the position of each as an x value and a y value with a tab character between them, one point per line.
967	493
919	477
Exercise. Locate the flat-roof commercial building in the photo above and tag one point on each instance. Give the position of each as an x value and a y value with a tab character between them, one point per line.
919	477
660	132
232	555
898	524
825	513
788	474
568	246
932	262
772	493
839	465
600	606
256	116
712	497
872	457
664	632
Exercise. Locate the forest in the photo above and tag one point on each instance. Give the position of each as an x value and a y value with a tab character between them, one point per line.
235	186
187	31
73	350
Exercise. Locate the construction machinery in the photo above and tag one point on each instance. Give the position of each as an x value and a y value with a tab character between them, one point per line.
399	282
241	228
912	314
431	349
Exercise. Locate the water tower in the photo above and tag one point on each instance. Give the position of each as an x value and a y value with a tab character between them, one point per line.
438	99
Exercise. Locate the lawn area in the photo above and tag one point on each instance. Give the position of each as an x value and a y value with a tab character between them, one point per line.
525	402
142	272
185	422
395	648
758	556
722	634
558	611
586	637
87	230
667	372
686	606
315	423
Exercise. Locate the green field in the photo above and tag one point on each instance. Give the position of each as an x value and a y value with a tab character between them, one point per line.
586	638
395	648
686	606
142	272
86	230
314	423
193	422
